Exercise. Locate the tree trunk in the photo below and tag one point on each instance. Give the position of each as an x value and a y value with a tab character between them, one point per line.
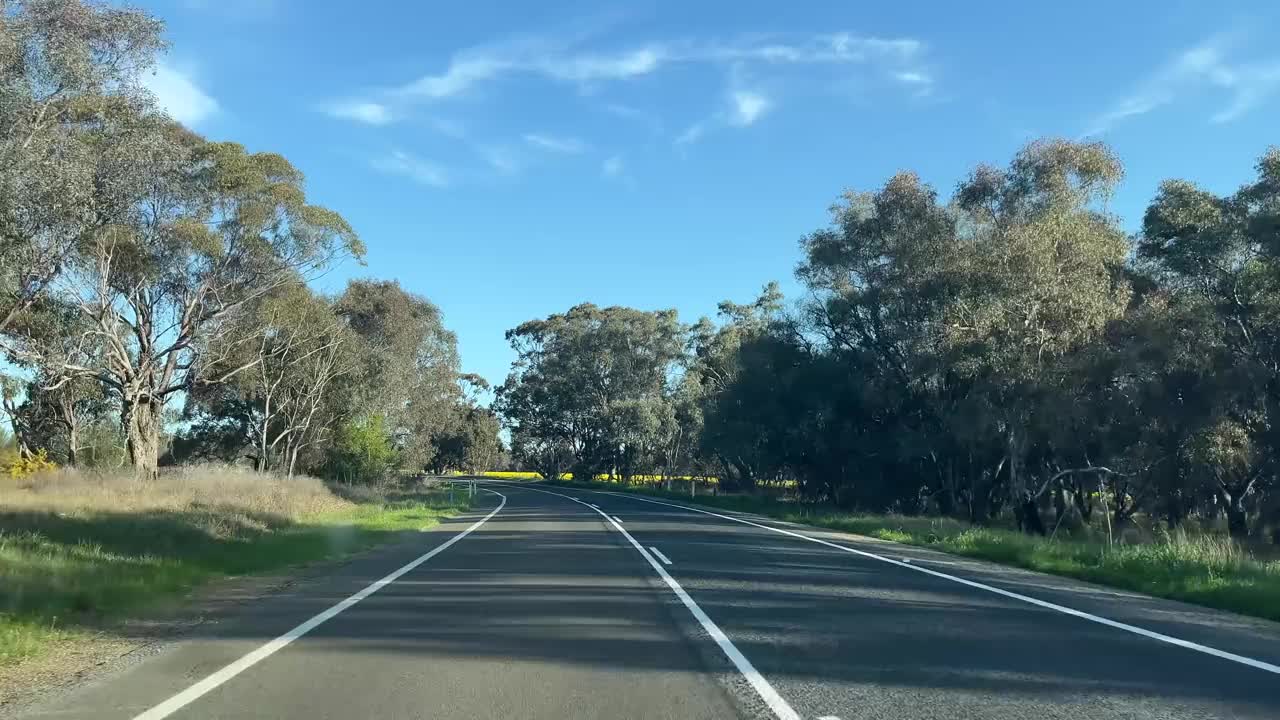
1083	501
19	429
1237	518
746	476
1060	505
142	428
1174	512
947	499
73	442
1233	495
263	448
1025	511
1030	518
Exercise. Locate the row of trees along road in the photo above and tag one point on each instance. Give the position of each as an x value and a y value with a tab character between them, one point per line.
1008	351
143	267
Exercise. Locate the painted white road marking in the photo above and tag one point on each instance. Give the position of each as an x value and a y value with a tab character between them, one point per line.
663	558
193	693
828	717
1251	662
615	519
763	688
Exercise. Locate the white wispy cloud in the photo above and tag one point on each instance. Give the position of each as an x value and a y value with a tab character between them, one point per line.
589	68
1204	68
692	134
470	68
550	143
920	80
368	112
841	47
612	167
177	93
744	108
474	66
500	158
461	74
747	107
399	162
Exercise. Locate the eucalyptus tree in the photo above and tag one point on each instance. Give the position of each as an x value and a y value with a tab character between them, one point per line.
882	278
730	430
69	83
200	231
589	389
1219	257
1041	277
408	367
297	351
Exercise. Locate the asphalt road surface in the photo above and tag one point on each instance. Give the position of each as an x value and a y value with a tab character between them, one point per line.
539	605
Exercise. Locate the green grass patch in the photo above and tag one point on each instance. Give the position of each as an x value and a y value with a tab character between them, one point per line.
62	572
1207	569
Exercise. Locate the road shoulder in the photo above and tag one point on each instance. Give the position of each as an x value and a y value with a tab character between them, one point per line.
101	654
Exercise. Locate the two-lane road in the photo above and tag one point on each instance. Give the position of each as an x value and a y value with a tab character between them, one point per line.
573	604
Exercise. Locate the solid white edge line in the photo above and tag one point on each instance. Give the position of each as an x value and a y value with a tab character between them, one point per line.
617	519
763	688
666	560
193	693
1223	654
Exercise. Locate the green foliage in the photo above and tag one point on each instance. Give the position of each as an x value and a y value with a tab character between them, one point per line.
406	368
1007	355
587	392
362	451
67	90
469	444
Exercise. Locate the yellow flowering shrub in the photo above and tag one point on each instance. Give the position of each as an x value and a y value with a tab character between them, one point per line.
30	465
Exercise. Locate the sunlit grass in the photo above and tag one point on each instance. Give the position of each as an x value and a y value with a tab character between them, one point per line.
77	550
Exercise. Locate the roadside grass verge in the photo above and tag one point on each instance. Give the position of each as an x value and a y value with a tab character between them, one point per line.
1203	568
78	550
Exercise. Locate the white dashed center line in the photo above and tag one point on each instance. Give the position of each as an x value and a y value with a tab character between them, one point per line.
661	557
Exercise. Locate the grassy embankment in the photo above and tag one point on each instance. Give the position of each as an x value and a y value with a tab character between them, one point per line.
78	551
1205	568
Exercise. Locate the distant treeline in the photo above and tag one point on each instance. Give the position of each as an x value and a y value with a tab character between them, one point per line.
1009	351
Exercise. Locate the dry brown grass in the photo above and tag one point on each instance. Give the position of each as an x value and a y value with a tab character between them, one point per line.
183	489
84	553
82	548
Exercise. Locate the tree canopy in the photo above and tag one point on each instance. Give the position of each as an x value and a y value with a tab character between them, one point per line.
1006	351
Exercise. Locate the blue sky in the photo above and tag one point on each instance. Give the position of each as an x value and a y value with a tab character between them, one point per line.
509	160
